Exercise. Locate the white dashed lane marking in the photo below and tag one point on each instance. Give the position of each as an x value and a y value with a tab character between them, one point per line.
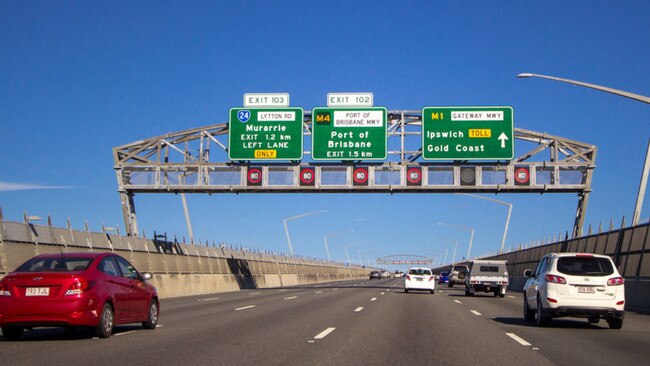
291	298
457	302
475	312
318	292
373	299
324	333
518	339
246	307
358	309
209	299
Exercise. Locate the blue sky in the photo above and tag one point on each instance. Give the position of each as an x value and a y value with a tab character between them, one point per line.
80	77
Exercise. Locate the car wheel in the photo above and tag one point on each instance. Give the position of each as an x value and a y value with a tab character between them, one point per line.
12	333
502	295
613	323
540	319
432	292
451	284
529	315
152	317
406	290
593	319
496	293
106	322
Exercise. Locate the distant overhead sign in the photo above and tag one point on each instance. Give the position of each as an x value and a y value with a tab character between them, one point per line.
349	133
467	133
265	134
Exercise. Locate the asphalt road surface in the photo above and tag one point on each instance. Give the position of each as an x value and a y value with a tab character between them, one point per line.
345	323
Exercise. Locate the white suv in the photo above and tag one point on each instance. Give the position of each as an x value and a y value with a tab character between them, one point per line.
574	284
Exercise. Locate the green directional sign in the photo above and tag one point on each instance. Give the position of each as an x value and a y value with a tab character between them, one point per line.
265	134
467	133
349	133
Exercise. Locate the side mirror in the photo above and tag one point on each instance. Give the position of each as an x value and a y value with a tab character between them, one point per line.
528	273
146	276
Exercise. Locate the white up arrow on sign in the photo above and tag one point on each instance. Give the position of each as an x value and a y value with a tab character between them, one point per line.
502	137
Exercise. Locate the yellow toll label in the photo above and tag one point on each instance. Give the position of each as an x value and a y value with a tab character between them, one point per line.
480	133
266	154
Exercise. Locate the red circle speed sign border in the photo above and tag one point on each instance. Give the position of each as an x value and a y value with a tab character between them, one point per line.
363	170
259	176
526	171
416	180
306	181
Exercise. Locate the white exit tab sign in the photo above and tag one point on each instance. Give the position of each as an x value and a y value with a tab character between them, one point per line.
266	100
349	99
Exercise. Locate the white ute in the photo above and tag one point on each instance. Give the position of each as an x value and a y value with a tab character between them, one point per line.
487	276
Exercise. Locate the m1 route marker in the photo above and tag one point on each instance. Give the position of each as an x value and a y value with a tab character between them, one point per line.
467	133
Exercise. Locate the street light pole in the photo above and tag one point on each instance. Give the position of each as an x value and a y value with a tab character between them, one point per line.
286	229
471	238
641	98
327	249
505	231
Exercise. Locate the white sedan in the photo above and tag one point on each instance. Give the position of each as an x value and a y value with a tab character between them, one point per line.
419	279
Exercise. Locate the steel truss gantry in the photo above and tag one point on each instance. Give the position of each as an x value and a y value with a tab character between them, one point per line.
405	259
196	161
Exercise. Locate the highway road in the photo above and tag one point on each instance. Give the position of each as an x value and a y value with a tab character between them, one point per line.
345	323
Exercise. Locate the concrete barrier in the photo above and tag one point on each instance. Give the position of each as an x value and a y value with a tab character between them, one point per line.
179	269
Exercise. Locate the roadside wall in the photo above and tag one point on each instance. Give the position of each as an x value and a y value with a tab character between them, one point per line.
179	269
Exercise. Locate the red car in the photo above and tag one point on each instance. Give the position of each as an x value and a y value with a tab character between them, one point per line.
98	290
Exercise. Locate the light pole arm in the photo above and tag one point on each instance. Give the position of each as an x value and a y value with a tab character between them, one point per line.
622	93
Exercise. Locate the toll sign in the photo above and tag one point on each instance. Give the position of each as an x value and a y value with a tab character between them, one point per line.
414	176
307	177
522	176
360	176
254	176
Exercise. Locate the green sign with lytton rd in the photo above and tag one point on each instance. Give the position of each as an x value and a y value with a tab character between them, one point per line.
467	133
265	134
349	133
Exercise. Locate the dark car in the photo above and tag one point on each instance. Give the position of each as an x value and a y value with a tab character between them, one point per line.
375	275
444	277
97	290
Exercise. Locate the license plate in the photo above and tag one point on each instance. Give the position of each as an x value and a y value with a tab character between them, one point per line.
418	279
37	291
585	290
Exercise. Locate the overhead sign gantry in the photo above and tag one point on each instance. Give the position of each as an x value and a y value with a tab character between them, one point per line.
370	149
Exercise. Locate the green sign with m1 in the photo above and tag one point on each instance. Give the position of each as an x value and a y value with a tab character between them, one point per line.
467	133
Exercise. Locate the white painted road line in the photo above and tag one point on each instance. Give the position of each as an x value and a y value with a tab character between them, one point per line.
381	293
324	333
358	309
373	299
255	293
475	312
458	302
209	299
334	289
119	334
246	307
291	298
512	297
518	339
318	292
284	289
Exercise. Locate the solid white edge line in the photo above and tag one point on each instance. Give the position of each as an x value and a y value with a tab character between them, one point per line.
246	307
324	333
291	298
358	309
119	334
475	312
518	339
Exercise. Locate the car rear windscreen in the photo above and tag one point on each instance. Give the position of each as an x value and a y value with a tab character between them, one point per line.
420	272
62	264
585	266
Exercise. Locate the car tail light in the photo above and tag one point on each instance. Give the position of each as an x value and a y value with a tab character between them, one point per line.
430	278
616	281
584	255
4	290
408	278
620	303
78	287
550	299
555	279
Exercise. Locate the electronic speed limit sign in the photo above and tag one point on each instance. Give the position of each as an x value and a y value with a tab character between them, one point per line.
360	176
414	176
522	176
254	176
307	177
